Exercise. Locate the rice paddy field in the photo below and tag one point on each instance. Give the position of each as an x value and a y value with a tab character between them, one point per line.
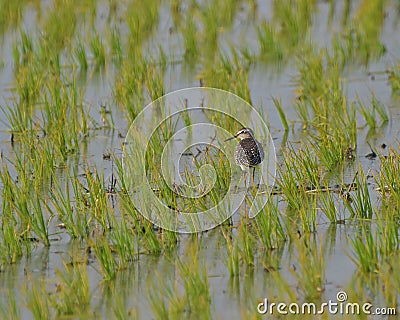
324	76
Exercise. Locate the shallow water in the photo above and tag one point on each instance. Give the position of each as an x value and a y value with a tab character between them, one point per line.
232	298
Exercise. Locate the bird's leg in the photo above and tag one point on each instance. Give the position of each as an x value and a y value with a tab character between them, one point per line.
242	176
244	173
254	171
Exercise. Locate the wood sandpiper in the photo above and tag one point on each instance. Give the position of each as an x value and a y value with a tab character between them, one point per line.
248	152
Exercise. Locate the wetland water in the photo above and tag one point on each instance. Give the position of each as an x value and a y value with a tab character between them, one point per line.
75	74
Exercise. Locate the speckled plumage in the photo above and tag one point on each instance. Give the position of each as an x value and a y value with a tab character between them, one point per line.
249	152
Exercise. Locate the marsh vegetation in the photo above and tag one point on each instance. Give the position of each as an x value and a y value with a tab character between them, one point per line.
325	75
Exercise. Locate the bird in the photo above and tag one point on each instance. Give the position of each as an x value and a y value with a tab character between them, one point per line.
249	152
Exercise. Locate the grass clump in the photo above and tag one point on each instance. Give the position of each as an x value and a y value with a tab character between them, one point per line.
229	73
310	271
72	296
52	188
98	51
11	14
371	115
38	300
368	22
80	54
59	27
360	206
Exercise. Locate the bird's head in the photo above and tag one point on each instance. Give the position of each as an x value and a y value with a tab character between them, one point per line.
243	133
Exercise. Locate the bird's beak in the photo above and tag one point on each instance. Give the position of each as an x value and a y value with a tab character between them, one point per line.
230	138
